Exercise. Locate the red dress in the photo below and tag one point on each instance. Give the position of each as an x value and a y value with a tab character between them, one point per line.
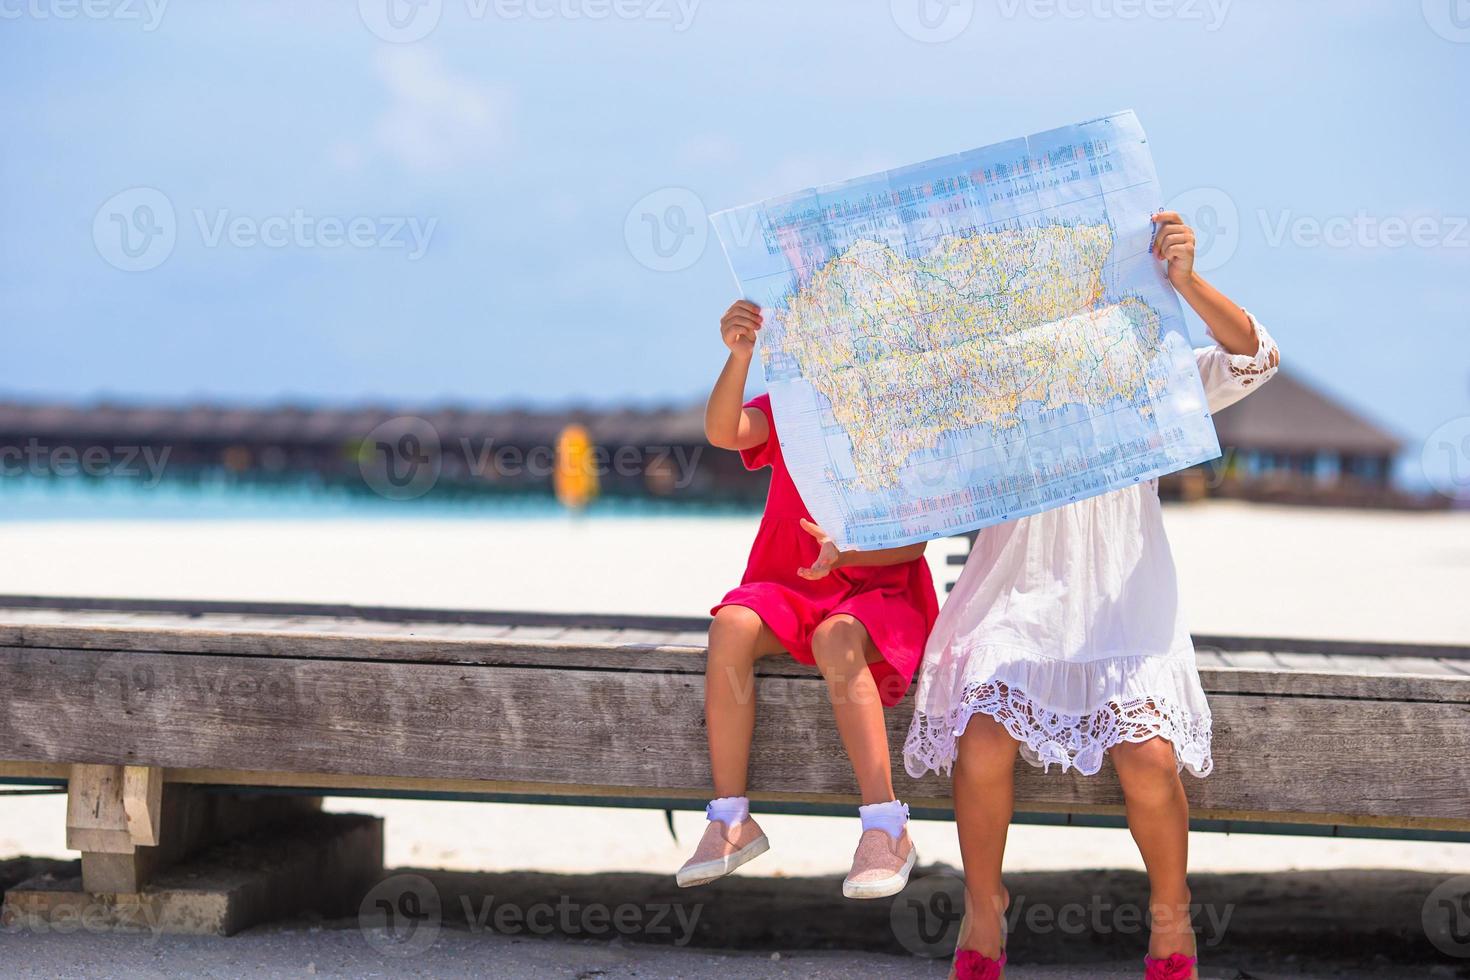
895	603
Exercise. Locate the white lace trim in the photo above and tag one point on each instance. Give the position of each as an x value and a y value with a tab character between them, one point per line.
1072	741
1249	370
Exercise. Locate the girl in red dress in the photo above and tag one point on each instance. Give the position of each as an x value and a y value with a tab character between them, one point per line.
860	617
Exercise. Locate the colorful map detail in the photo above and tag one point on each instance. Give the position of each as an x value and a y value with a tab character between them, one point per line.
969	340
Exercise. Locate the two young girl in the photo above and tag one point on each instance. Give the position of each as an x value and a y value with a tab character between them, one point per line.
1062	642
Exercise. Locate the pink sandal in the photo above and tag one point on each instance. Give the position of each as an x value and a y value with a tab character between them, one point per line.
970	965
1176	967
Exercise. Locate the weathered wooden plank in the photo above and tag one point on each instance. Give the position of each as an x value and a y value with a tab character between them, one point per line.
635	730
1250	659
1429	666
657	638
172	613
337	783
1365	648
554	653
1402	688
118	874
1357	664
96	819
197	607
142	798
1208	659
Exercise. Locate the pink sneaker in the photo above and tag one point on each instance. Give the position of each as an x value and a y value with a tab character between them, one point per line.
881	865
720	853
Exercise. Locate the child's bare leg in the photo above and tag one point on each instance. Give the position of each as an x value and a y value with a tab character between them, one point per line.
1158	817
984	798
737	639
843	650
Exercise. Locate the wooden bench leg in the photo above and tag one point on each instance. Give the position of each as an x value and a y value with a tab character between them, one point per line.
128	825
98	825
143	803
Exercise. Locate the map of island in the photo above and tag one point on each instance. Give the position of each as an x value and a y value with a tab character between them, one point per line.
906	350
974	338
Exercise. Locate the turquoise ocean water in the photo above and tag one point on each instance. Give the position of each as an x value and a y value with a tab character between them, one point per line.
33	498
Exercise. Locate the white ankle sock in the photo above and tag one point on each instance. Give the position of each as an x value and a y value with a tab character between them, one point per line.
730	809
889	817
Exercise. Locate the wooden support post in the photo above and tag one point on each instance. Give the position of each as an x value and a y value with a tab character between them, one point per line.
95	817
98	824
128	825
143	802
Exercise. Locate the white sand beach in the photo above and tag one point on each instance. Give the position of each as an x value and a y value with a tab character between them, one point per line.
1244	568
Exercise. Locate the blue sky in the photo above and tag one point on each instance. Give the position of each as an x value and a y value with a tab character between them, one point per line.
491	170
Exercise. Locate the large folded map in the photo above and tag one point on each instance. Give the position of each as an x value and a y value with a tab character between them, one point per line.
977	338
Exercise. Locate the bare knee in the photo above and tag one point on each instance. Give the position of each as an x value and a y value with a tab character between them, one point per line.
1148	770
735	634
839	646
986	750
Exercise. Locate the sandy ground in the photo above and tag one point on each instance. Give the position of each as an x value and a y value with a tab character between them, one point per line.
1244	569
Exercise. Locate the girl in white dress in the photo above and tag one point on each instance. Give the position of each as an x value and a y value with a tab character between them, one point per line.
1062	641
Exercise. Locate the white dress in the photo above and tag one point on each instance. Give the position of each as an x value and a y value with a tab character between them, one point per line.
1065	626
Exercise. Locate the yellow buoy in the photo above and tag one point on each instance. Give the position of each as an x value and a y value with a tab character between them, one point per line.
575	477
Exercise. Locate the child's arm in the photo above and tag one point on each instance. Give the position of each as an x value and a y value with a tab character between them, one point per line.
727	423
1230	325
1244	356
830	558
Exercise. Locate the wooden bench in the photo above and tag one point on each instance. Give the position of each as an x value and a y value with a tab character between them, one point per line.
120	699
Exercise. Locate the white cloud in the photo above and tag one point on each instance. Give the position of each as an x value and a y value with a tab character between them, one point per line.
435	121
